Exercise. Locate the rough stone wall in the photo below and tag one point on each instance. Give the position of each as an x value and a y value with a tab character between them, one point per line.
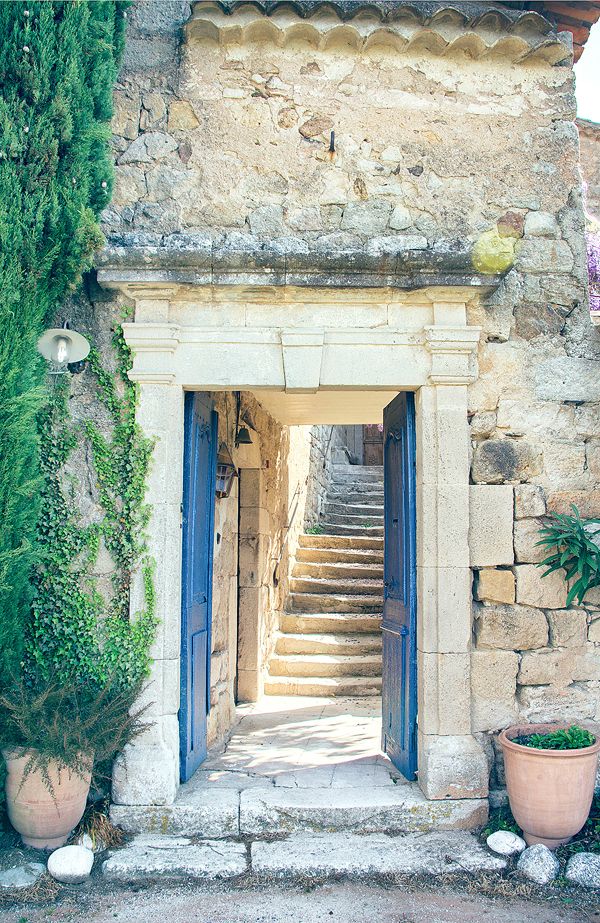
211	139
589	145
237	137
269	503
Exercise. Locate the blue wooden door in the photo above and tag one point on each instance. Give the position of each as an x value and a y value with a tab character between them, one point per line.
399	694
199	474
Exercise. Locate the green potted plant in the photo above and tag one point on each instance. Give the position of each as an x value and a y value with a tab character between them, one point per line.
550	776
52	735
551	768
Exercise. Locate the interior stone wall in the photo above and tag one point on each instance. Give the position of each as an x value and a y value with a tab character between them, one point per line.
251	543
211	140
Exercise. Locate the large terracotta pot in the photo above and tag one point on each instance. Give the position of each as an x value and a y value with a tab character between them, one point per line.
550	791
43	821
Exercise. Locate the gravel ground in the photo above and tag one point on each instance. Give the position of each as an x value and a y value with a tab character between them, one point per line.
342	902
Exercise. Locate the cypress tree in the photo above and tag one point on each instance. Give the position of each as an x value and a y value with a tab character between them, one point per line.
58	64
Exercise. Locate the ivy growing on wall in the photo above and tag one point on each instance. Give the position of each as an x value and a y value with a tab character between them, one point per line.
77	632
58	64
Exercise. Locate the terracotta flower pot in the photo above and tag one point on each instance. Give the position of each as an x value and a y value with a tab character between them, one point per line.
550	791
43	821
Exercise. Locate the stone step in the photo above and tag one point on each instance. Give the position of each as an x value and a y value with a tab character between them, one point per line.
168	857
335	602
338	570
352	531
357	493
348	519
345	587
323	685
360	510
306	855
352	853
357	472
227	814
367	556
337	644
321	665
351	542
319	622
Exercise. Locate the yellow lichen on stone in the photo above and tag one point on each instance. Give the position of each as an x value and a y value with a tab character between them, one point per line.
493	253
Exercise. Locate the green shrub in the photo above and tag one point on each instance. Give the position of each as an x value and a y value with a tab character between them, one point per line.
58	64
573	541
572	738
67	723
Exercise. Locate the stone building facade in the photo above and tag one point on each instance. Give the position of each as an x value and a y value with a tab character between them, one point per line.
321	205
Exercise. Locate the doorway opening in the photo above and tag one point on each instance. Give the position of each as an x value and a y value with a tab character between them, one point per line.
324	635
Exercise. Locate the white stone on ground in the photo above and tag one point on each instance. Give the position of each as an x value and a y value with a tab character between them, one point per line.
538	864
71	864
331	854
176	857
506	843
584	869
22	874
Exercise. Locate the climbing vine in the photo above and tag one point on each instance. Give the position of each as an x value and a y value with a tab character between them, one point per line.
78	632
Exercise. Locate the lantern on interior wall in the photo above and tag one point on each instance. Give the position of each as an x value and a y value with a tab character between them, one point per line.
62	347
226	472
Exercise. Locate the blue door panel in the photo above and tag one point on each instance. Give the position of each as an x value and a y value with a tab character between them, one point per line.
199	458
399	628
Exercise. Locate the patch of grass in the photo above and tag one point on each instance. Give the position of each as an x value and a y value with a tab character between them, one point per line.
314	530
588	838
501	819
45	889
97	824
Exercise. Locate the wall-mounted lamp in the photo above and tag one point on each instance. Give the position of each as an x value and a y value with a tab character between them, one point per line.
62	347
226	472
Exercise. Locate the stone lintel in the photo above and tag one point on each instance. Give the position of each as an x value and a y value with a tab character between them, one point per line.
130	262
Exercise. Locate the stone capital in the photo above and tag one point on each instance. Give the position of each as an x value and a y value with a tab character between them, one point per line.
153	347
452	351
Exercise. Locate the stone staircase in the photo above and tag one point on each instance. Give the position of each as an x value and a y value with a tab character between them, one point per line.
329	642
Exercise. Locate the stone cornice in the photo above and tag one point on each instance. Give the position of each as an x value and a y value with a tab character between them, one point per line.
476	29
402	262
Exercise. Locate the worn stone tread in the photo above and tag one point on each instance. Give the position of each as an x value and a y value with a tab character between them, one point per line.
319	665
331	854
375	809
148	857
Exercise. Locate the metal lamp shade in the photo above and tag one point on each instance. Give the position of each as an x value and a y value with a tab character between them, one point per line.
77	347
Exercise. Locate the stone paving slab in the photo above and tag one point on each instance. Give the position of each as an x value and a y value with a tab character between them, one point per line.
401	808
331	854
176	857
210	812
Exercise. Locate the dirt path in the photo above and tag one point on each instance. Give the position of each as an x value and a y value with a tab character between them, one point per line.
338	903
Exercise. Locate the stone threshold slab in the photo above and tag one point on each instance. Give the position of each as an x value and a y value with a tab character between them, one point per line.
397	809
299	856
148	857
219	813
325	855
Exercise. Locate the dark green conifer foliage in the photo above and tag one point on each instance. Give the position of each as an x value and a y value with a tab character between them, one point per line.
58	64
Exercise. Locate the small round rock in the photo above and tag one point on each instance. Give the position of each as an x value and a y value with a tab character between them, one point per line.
538	864
506	843
584	869
71	864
